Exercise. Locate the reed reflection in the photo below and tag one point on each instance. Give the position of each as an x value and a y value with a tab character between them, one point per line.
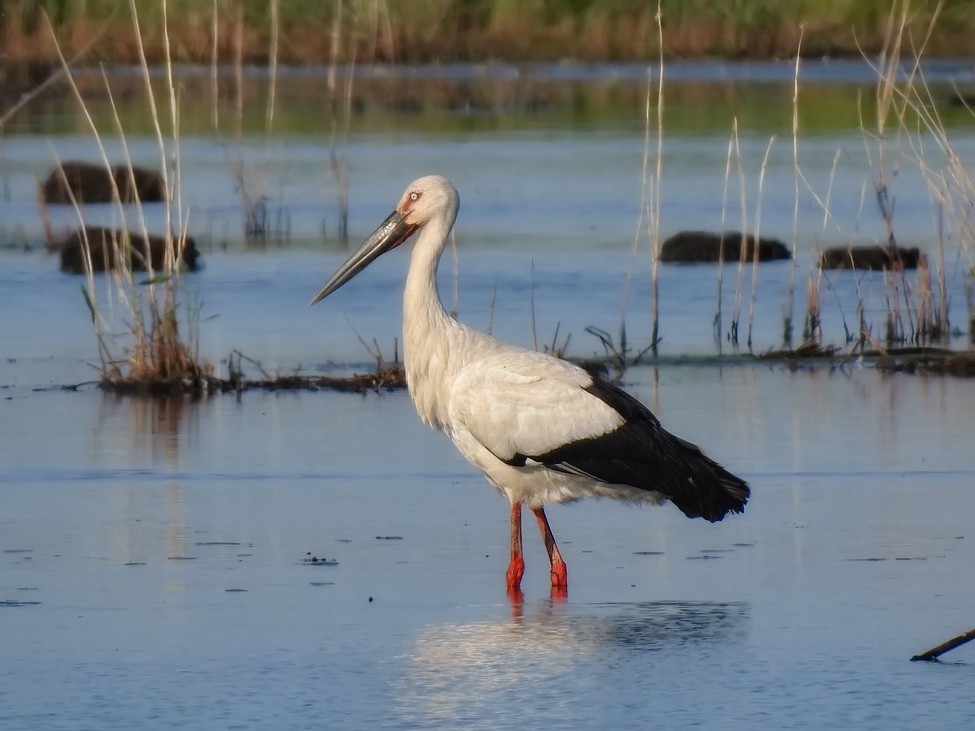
158	427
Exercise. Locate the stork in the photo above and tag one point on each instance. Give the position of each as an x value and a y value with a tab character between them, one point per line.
542	430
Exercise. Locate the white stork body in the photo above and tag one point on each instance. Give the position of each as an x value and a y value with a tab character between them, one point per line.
516	402
540	429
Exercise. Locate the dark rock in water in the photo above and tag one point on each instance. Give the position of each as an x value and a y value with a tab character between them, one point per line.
870	257
103	243
697	246
90	183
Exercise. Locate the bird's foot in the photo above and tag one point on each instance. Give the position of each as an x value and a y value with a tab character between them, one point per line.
560	574
516	570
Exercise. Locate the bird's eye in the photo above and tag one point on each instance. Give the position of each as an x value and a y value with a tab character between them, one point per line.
414	196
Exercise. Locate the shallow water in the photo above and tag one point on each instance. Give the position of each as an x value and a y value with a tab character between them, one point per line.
155	553
548	154
152	552
549	163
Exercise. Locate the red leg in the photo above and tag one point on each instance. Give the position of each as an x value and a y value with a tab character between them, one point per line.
516	566
560	574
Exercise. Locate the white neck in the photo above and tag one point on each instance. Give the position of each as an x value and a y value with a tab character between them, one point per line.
427	328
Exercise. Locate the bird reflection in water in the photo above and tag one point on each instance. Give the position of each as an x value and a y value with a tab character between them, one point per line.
459	673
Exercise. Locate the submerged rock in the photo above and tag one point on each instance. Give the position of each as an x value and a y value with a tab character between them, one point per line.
89	183
700	246
103	243
870	257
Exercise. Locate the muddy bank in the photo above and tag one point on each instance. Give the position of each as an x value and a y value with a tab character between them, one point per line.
200	384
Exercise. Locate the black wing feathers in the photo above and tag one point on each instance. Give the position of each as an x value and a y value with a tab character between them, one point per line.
642	454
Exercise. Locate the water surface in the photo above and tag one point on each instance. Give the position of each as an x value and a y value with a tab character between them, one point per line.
156	550
152	552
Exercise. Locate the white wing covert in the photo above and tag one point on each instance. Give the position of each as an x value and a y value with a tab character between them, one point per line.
527	403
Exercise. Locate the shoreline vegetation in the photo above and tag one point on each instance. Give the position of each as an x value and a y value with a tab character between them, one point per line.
911	360
442	31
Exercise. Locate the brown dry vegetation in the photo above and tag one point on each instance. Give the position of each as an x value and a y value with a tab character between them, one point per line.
472	30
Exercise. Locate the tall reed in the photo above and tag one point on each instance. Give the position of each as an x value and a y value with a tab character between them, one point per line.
913	313
655	195
340	108
951	183
755	249
791	291
743	209
716	324
152	355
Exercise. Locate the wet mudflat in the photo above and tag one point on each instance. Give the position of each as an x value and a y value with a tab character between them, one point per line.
154	574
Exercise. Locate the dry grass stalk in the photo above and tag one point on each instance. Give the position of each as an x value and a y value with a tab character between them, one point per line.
273	66
656	183
555	348
649	210
812	329
336	156
50	237
156	353
952	186
791	291
928	323
214	63
253	193
251	180
887	105
616	358
120	251
758	231
743	203
716	324
644	197
942	278
167	344
812	320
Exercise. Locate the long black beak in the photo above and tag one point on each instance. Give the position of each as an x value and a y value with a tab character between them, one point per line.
391	233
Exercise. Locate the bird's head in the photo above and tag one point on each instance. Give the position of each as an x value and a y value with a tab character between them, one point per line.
428	198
